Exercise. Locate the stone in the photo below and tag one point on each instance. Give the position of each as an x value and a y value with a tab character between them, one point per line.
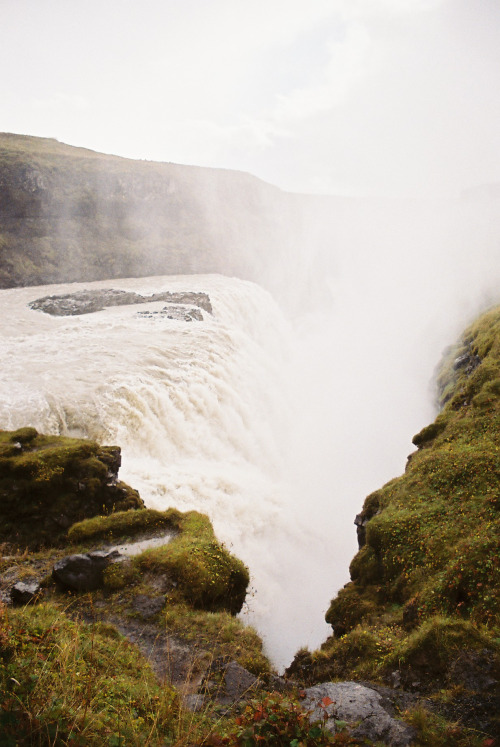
474	670
361	708
194	702
360	522
83	572
90	301
148	607
227	682
25	592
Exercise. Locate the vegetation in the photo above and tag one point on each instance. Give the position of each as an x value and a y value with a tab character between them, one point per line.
49	482
70	214
424	601
125	524
277	720
205	573
67	676
63	682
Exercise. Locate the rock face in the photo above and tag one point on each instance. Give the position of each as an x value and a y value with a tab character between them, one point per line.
87	302
71	215
83	572
48	483
227	682
362	709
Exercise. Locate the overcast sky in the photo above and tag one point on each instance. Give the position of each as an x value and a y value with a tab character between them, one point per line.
388	97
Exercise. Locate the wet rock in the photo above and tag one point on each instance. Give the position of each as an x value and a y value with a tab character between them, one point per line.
90	301
25	592
362	709
83	572
361	521
175	312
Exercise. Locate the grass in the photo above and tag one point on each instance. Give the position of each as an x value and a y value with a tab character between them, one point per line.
205	573
425	588
125	524
70	214
49	482
63	682
219	633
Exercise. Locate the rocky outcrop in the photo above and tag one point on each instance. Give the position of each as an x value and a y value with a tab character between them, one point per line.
84	572
47	483
73	215
89	301
360	708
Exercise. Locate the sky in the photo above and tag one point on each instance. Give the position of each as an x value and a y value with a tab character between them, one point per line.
353	97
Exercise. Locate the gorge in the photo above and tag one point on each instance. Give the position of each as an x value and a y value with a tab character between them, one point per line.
280	409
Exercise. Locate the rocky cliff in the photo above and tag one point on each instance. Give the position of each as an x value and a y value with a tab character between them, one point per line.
70	214
422	610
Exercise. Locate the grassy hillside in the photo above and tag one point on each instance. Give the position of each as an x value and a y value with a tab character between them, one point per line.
423	607
69	214
96	664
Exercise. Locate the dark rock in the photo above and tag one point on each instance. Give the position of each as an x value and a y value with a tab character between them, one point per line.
176	312
361	707
148	607
361	521
280	684
83	572
194	702
474	670
227	682
25	592
89	301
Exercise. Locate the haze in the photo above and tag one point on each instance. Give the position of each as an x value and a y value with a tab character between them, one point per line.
354	97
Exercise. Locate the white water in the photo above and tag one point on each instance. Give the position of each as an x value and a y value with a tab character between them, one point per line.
203	412
277	433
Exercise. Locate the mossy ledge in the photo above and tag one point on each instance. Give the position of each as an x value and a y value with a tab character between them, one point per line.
116	664
47	483
422	608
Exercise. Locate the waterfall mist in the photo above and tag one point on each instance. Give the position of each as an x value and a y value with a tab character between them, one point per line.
280	413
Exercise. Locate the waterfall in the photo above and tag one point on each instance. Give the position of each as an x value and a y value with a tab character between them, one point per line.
206	415
276	427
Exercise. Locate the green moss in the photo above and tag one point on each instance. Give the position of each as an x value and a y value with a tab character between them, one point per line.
120	575
348	608
436	644
125	524
207	575
49	482
426	585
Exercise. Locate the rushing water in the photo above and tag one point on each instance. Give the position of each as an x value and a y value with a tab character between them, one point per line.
204	413
277	432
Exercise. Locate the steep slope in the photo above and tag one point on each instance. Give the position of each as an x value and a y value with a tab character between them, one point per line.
69	214
422	609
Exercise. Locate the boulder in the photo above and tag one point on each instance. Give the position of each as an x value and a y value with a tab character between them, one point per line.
83	572
361	708
227	682
25	592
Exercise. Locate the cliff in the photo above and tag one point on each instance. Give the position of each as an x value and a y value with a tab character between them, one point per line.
112	616
70	214
422	610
